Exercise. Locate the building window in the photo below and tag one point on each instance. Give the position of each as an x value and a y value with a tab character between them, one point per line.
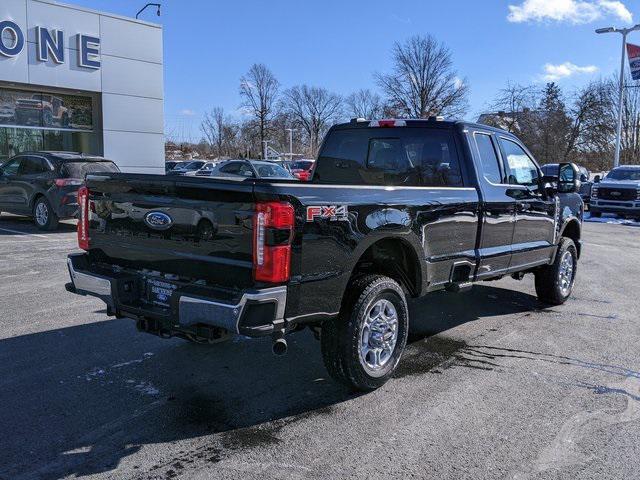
36	120
48	110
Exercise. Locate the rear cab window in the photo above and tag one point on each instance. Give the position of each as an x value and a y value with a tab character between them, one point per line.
80	169
404	156
489	159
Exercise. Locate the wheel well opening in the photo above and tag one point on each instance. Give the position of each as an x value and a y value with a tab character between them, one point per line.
35	199
393	258
572	231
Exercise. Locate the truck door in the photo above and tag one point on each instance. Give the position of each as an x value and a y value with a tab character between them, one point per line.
498	208
534	234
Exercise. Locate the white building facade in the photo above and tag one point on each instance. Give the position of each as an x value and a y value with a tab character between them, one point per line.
74	79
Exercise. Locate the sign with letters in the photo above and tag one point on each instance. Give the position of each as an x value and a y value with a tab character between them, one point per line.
49	45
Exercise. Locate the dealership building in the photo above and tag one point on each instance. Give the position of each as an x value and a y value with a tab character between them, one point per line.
78	80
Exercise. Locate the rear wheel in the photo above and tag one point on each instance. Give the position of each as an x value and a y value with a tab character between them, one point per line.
43	215
554	283
363	345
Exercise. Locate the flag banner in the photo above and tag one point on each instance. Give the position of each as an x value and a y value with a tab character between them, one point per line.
633	51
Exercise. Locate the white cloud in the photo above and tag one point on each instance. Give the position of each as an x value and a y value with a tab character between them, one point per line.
565	70
572	11
617	9
187	112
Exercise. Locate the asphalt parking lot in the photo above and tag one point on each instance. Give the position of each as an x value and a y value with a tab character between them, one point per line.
493	385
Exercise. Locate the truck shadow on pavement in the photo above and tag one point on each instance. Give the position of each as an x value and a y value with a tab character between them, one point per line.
80	400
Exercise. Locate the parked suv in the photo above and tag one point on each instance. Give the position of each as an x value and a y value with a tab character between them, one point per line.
618	192
44	185
250	169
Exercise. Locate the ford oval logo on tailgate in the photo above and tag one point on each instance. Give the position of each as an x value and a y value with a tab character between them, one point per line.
158	220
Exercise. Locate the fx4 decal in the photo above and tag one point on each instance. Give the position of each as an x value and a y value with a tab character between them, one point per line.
330	212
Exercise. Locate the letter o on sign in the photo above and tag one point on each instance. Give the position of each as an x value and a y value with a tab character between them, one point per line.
14	47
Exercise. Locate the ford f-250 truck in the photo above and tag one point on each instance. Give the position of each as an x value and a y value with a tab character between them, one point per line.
618	192
395	209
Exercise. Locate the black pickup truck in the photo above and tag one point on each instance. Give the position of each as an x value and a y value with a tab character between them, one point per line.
395	209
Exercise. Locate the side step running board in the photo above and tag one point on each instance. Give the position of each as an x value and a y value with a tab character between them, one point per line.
459	287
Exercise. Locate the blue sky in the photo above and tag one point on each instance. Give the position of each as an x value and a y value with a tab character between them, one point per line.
210	44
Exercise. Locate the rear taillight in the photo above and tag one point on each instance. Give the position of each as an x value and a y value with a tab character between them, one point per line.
83	219
272	235
66	182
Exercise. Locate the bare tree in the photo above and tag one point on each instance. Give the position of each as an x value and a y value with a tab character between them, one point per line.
364	104
423	82
592	129
630	138
212	127
510	104
259	92
312	109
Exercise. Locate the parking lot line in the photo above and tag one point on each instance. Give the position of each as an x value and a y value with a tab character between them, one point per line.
22	233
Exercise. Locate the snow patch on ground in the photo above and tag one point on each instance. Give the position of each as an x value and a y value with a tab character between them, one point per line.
105	374
132	362
611	219
147	388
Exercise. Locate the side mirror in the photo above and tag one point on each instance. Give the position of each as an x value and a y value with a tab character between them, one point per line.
596	179
568	178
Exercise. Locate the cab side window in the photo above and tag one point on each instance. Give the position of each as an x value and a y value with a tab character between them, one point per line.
522	170
33	166
12	166
245	170
233	168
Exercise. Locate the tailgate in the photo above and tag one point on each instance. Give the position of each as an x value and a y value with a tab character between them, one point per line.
191	227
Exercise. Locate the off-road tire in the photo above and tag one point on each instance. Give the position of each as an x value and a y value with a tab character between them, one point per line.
340	336
52	219
547	279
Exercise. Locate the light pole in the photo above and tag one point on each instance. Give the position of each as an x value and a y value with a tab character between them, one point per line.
624	32
157	5
290	130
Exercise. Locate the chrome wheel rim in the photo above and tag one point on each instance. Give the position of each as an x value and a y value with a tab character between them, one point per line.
565	275
42	214
379	335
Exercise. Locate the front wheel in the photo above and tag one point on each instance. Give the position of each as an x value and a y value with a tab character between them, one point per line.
44	216
554	283
363	345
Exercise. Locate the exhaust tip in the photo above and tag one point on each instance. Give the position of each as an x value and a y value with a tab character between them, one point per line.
280	347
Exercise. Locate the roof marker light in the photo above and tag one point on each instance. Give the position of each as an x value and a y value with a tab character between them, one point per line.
388	123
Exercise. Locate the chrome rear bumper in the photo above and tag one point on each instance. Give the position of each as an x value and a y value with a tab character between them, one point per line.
192	310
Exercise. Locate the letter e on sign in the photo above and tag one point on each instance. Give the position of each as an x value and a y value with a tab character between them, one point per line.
88	51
